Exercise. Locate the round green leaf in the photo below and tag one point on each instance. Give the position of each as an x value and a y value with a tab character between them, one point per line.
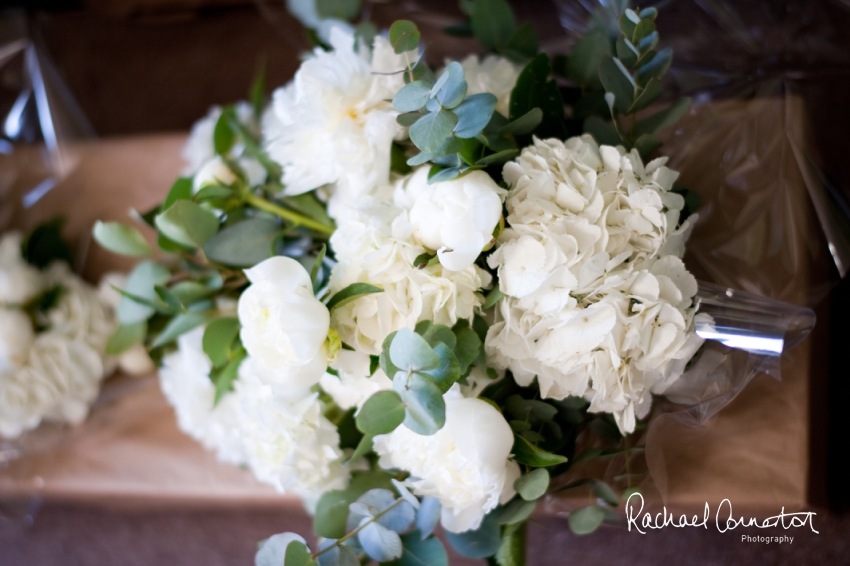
179	325
473	114
533	485
411	352
453	86
426	409
218	337
430	131
381	414
585	520
245	243
516	511
125	337
404	36
412	96
141	282
422	551
448	372
480	543
187	223
121	239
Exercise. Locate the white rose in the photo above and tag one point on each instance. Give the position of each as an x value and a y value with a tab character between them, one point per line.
283	324
16	337
455	218
81	313
184	378
335	123
465	464
19	281
493	74
287	440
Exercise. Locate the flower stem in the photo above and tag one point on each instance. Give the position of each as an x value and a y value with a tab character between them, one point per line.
358	529
288	215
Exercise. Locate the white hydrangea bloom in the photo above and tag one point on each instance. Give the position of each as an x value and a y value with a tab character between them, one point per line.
597	305
353	384
493	74
184	378
464	464
376	245
19	281
334	122
288	442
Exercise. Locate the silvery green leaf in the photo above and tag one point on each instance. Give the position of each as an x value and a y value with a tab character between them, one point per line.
648	14
473	114
404	36
436	333
532	485
380	543
426	409
411	352
643	29
516	511
648	42
448	372
429	515
408	118
381	414
411	97
340	555
431	131
384	359
367	506
649	95
468	348
628	21
445	175
480	543
187	223
422	551
453	89
187	292
627	52
121	239
273	550
432	105
179	325
141	282
585	520
405	493
245	243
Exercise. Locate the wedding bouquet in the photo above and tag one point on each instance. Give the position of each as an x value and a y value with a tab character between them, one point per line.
412	296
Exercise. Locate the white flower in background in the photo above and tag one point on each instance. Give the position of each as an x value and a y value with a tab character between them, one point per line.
58	383
80	314
204	165
287	440
594	307
465	464
307	13
185	382
283	324
335	123
493	74
16	337
19	281
354	384
376	245
455	218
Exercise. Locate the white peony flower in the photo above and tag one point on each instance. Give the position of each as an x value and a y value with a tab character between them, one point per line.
287	440
455	218
465	464
19	281
376	245
184	378
335	122
283	324
354	384
493	74
598	302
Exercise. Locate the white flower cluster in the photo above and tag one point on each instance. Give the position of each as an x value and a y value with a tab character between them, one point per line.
333	124
53	374
599	303
378	245
273	421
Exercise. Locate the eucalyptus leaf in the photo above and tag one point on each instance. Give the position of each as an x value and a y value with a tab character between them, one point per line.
436	333
468	348
121	239
425	407
452	89
187	223
627	52
526	453
431	131
448	372
419	550
585	520
643	29
479	543
513	546
213	192
444	175
187	292
649	95
168	298
340	555
297	554
382	413
141	282
411	97
616	79
473	114
125	337
428	516
408	118
352	293
273	550
411	352
516	511
532	485
498	157
379	542
245	243
404	36
655	67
